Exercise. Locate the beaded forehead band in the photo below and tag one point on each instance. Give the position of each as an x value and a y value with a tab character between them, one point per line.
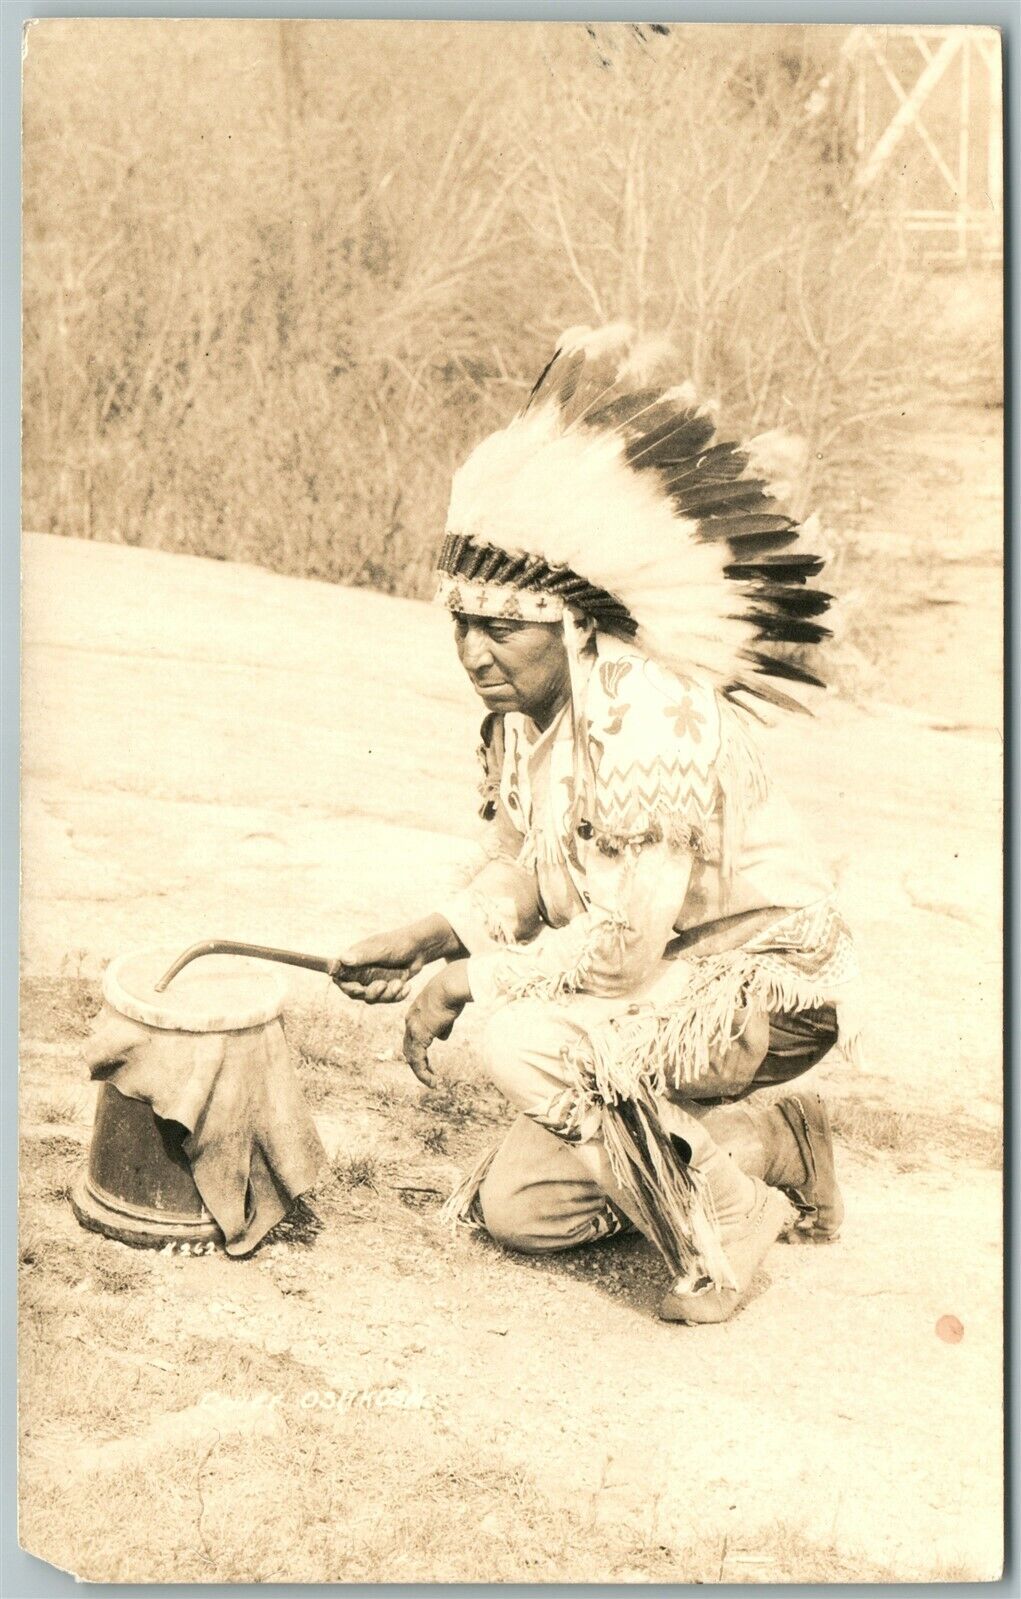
483	580
499	600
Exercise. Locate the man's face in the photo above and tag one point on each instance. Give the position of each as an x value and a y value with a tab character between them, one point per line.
514	666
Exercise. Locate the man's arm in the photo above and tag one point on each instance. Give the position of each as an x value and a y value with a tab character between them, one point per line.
608	950
633	900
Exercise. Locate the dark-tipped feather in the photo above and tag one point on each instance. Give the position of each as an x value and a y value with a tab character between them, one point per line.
683	434
569	383
732	691
770	694
773	666
539	384
791	567
697	499
725	461
793	601
616	414
706	483
741	524
750	546
558	379
787	629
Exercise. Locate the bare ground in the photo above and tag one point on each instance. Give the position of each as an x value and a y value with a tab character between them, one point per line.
213	751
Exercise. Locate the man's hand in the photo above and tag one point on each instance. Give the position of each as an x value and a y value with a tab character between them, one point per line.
364	970
432	1016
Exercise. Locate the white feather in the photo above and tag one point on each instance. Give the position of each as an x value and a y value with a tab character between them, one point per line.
645	358
681	393
594	342
780	458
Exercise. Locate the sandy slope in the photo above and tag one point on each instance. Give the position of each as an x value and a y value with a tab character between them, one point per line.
221	751
214	751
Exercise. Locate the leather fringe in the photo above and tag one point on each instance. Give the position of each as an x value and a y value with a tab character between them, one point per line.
461	1209
668	1199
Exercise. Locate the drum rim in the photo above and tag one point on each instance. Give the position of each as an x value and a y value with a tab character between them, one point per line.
151	1014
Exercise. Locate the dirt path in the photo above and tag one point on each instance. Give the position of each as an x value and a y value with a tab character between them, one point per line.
228	752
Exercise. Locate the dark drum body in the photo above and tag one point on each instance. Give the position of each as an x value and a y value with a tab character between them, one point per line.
138	1185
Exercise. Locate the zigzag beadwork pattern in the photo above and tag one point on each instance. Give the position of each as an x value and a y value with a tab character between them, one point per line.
629	797
677	783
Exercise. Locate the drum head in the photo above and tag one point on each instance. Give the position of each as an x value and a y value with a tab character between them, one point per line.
215	994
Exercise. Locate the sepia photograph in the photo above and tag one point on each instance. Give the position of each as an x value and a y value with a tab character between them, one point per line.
511	1069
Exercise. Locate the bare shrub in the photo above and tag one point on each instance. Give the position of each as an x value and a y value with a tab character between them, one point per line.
280	276
705	195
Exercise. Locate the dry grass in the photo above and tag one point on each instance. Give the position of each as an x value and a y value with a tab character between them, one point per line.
357	1171
318	1056
913	1138
456	1101
308	1517
339	1495
60	1008
290	274
434	1139
65	1107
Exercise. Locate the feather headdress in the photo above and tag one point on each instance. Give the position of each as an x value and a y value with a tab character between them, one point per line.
620	503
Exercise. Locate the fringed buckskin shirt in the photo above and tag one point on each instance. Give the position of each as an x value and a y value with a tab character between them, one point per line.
641	825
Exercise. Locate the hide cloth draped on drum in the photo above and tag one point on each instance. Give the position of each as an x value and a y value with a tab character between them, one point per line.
233	1144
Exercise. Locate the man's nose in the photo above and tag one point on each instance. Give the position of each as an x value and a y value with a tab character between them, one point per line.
475	649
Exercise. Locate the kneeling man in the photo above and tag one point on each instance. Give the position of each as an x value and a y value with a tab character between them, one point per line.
650	936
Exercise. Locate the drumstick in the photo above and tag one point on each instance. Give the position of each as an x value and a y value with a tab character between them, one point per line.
289	957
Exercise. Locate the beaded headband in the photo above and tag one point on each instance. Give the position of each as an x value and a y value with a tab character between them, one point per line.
484	580
468	598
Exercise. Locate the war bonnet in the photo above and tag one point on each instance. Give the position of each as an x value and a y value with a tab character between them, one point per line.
617	502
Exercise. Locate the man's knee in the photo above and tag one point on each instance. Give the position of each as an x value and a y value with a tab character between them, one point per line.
538	1196
537	1218
506	1213
798	1040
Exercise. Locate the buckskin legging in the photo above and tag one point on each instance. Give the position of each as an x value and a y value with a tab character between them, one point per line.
543	1193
